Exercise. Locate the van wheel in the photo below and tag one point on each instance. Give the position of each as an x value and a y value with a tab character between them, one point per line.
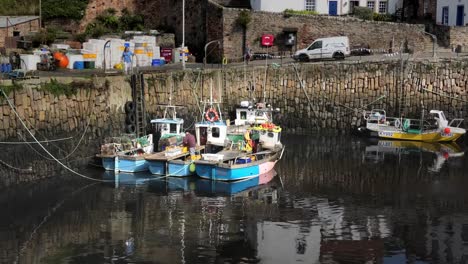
338	56
303	58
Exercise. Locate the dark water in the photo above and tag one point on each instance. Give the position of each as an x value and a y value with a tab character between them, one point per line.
335	199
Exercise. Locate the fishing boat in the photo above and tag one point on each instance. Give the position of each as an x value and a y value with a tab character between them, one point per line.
435	128
126	153
171	158
207	187
443	151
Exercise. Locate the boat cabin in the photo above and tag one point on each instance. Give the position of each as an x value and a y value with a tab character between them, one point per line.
214	133
168	126
247	114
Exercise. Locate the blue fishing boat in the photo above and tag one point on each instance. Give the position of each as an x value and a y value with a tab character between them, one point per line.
234	165
175	162
126	153
208	187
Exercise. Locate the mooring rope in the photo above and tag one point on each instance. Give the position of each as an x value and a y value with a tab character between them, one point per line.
44	220
15	168
448	96
35	139
34	142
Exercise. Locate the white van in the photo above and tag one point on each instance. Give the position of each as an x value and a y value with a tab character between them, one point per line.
325	48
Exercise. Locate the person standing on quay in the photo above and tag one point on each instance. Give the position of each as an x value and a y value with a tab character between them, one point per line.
127	60
247	53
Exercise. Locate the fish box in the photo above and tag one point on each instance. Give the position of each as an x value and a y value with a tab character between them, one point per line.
243	160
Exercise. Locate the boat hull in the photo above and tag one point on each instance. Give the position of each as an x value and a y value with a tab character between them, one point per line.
157	167
434	136
220	173
108	163
179	168
131	165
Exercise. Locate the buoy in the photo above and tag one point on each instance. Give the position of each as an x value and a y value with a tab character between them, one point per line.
192	167
446	130
61	59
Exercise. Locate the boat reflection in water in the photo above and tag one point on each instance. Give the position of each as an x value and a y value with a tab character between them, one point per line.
201	187
442	151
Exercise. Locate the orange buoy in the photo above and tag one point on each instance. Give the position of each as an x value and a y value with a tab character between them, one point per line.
61	59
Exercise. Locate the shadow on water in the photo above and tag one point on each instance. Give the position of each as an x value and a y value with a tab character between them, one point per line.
336	199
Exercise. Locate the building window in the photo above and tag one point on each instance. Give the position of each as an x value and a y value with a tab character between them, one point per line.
310	5
445	15
383	7
371	4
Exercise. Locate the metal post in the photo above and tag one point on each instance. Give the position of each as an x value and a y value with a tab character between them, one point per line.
206	47
434	39
183	34
40	14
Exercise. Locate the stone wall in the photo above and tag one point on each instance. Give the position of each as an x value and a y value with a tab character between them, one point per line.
338	92
378	35
98	102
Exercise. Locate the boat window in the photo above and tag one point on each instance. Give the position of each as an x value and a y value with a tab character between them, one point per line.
243	115
173	128
215	132
271	134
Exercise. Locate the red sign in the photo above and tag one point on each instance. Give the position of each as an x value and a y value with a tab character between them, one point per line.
267	40
166	53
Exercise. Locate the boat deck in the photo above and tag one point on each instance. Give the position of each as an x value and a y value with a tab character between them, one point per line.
161	156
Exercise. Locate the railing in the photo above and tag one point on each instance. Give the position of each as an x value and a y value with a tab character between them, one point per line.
457	121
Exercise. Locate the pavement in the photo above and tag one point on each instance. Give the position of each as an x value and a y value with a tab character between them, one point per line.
428	56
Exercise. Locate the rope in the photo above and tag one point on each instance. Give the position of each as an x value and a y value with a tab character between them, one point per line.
15	168
35	142
35	139
448	96
44	220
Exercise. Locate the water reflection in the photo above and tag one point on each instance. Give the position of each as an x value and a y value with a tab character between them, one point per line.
442	151
330	205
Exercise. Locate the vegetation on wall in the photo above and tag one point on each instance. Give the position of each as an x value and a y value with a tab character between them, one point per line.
71	9
302	12
57	88
110	22
367	14
244	18
19	7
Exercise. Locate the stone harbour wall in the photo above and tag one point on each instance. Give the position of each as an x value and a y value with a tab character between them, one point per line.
333	96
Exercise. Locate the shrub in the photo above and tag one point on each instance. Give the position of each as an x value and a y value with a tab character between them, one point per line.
244	18
297	12
363	13
383	17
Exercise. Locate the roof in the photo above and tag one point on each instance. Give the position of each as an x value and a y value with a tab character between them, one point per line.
167	121
15	20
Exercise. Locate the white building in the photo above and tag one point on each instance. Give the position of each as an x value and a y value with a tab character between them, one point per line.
451	12
330	7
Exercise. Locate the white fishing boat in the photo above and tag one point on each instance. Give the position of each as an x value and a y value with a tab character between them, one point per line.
434	128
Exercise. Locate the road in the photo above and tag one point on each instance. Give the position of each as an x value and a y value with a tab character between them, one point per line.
284	61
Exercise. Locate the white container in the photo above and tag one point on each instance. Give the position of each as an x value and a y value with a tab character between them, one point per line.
60	46
72	58
29	62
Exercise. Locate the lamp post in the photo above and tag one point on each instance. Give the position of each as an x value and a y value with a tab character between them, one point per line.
40	14
183	34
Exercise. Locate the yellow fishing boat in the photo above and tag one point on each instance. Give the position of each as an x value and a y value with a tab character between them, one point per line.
435	128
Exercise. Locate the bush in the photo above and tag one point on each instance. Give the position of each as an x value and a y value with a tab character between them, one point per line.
72	9
302	12
244	18
383	17
363	13
44	36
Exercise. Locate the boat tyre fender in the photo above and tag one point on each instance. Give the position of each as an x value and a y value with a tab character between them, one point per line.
130	118
211	115
398	123
129	107
130	129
